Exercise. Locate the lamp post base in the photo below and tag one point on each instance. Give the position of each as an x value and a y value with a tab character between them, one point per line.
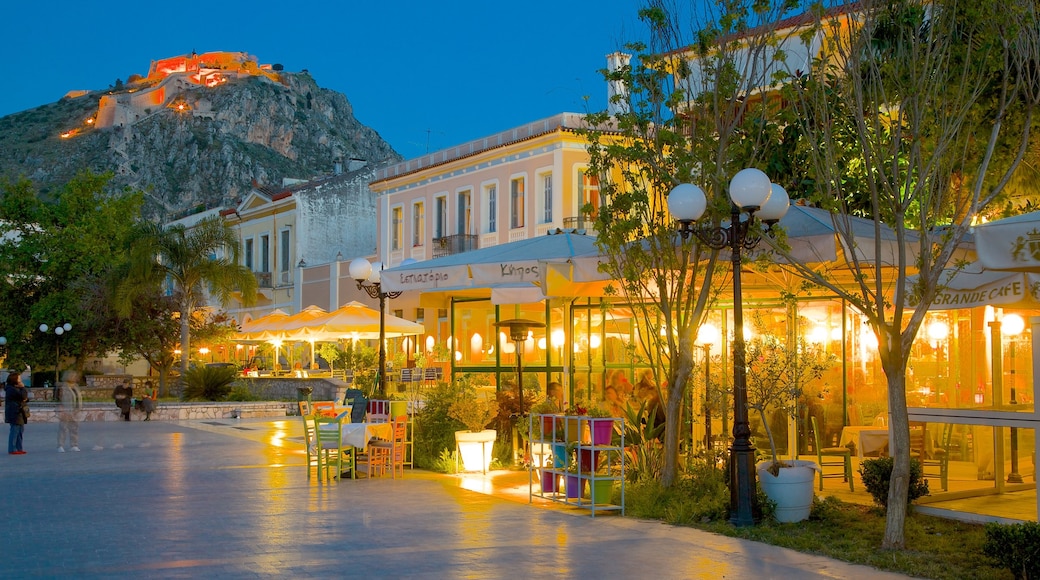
742	487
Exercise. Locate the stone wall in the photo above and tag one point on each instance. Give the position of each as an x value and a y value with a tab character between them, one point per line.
48	412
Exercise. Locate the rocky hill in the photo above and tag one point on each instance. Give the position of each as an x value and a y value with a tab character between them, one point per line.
203	146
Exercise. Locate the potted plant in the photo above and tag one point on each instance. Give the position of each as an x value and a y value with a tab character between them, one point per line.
776	373
475	443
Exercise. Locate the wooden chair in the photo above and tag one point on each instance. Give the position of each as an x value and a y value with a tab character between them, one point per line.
328	433
384	455
935	460
378	411
308	438
844	452
324	408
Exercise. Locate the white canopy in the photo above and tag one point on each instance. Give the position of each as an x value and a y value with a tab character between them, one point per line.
1010	244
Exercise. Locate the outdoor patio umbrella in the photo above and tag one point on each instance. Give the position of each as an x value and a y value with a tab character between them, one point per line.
257	328
357	321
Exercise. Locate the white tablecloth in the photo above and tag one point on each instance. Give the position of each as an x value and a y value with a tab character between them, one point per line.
359	434
867	438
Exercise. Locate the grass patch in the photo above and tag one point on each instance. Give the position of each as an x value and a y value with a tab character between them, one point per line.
935	547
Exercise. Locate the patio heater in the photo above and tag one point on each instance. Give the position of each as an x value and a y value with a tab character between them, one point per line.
750	192
518	329
367	276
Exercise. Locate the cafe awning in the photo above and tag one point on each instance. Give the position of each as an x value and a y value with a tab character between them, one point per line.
1010	244
975	286
514	265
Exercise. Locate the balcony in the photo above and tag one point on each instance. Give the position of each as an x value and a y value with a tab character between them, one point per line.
455	244
585	223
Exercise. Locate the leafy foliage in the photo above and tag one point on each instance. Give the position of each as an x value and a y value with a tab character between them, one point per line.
434	429
777	374
205	383
1016	547
57	257
877	475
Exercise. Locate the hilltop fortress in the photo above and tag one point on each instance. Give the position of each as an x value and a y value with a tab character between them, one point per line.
170	78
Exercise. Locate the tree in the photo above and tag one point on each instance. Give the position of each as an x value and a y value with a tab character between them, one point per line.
188	261
685	116
55	256
916	114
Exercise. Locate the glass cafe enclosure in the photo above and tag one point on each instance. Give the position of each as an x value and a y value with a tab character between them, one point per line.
975	359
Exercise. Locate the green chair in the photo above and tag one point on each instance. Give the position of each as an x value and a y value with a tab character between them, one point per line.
328	435
843	452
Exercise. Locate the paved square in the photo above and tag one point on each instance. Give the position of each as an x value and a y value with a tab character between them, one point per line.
231	499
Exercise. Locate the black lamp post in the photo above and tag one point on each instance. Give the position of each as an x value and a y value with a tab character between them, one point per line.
367	276
751	192
518	330
58	331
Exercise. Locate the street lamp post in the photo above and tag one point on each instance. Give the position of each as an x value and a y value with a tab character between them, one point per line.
750	192
367	276
58	331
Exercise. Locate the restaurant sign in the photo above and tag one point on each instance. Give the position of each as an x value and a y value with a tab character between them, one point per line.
1014	289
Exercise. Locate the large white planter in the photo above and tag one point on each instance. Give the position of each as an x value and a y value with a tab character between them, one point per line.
475	448
791	489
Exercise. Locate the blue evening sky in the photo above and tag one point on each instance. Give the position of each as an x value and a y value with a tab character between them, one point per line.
422	74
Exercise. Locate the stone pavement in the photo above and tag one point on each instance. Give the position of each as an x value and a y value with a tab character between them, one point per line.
231	499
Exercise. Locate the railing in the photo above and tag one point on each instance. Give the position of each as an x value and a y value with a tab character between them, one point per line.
455	244
583	222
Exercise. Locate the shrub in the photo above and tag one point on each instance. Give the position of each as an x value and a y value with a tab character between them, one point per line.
699	496
1016	547
434	429
240	392
204	383
877	473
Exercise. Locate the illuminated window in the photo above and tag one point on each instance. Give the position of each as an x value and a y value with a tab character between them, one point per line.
588	193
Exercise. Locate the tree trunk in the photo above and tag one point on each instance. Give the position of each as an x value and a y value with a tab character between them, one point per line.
899	449
673	413
185	334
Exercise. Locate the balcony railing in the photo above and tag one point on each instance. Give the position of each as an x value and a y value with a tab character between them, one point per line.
263	279
455	244
582	222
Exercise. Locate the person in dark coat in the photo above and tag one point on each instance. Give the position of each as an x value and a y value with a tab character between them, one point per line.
122	395
15	410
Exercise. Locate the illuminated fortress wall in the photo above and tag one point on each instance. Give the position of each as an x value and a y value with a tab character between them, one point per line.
172	77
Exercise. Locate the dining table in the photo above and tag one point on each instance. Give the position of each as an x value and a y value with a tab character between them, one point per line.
358	435
867	438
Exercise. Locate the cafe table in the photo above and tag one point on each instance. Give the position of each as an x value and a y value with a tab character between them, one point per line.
867	438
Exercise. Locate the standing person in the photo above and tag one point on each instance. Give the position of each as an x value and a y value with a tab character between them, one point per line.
16	409
122	394
69	405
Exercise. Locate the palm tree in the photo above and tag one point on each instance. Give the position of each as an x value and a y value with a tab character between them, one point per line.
187	260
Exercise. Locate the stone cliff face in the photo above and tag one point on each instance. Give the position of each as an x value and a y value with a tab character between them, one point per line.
206	150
